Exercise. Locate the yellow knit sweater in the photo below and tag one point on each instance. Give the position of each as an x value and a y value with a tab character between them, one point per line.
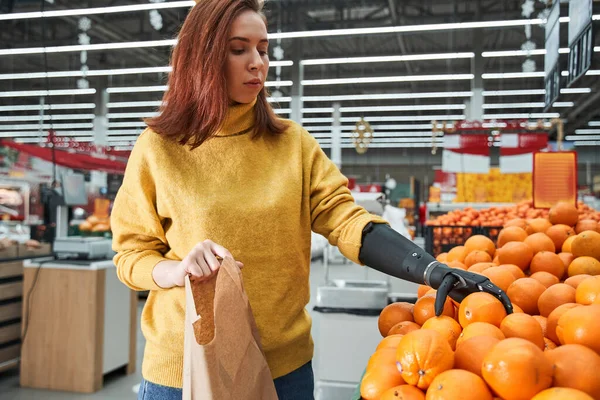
259	198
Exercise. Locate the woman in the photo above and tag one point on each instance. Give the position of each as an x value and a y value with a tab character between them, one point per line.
218	174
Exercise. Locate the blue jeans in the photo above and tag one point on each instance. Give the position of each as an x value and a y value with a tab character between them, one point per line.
297	385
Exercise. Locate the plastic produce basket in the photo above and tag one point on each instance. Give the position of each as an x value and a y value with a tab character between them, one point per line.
442	238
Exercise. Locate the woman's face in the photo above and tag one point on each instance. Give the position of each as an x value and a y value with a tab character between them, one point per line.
247	62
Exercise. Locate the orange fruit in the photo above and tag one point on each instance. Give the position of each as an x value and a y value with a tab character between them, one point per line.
584	265
477	256
393	314
543	321
566	259
545	278
561	393
511	234
513	269
576	367
442	257
576	280
586	225
456	383
587	291
525	293
563	213
425	309
422	355
446	326
481	307
517	369
555	296
480	242
537	225
517	309
587	243
580	325
422	290
559	233
480	267
402	328
389	341
549	344
378	380
477	329
456	264
457	253
547	261
403	392
500	277
523	326
553	318
470	354
520	222
566	247
385	356
517	253
540	242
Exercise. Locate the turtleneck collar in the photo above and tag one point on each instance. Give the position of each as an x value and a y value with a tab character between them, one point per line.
239	119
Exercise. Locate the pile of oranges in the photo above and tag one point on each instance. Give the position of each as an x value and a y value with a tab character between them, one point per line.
548	349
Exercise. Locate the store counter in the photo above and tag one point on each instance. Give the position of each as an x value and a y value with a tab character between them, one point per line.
79	323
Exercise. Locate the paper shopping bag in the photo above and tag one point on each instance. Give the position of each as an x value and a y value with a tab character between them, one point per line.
223	358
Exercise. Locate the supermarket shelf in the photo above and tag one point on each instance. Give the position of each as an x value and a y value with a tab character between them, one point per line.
446	207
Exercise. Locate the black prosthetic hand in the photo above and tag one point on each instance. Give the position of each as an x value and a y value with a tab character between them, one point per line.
389	252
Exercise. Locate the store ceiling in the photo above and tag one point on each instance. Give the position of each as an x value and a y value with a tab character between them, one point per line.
408	120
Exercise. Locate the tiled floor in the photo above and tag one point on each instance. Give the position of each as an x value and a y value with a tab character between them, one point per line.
121	387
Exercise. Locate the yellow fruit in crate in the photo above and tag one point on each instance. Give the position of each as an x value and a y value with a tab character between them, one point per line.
85	226
101	228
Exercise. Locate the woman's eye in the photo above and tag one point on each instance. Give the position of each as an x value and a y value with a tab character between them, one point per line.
263	53
237	52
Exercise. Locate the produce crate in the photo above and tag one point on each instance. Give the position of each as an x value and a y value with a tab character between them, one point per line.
442	238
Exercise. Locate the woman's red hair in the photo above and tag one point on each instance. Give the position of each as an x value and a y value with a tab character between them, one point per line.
195	105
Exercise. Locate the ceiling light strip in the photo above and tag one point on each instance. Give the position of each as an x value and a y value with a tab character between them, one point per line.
587	131
43	93
97	10
37	107
365	60
407	118
521	116
497	106
46	126
386	79
55	117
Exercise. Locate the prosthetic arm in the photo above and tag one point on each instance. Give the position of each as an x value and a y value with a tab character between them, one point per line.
389	252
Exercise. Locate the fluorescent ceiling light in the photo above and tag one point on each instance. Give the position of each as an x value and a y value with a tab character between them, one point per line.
387	140
86	139
376	127
130	104
46	126
42	93
388	119
279	99
577	137
87	47
521	116
496	106
384	79
279	83
587	131
55	117
387	96
528	92
524	53
79	106
97	10
100	72
15	134
384	145
594	123
405	28
425	107
282	110
131	115
513	75
383	135
364	60
136	89
131	124
582	143
122	138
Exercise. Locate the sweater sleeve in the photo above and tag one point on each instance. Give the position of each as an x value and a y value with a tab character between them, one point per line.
138	235
334	213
